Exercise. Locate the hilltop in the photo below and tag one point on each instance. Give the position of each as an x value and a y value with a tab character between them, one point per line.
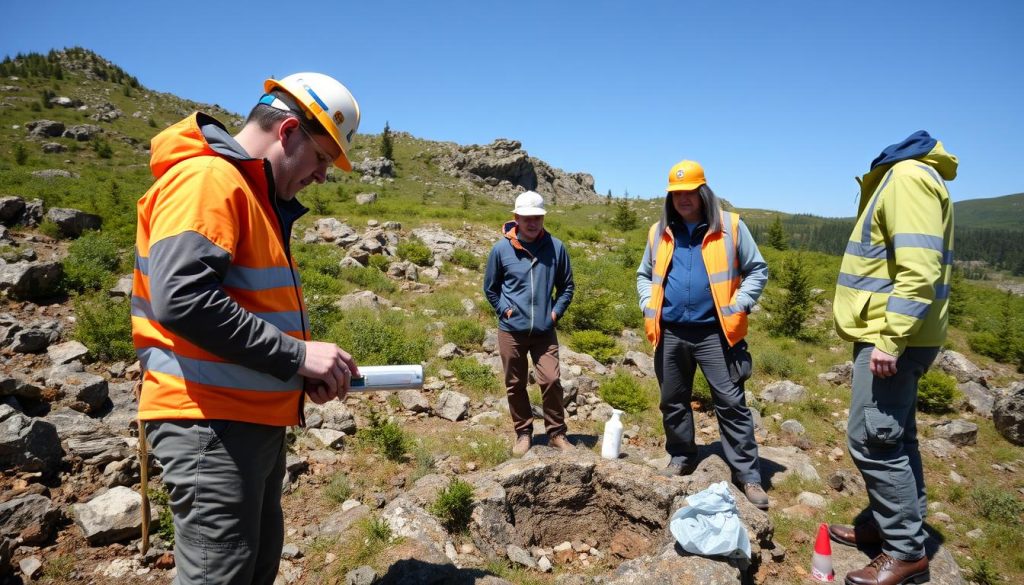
391	259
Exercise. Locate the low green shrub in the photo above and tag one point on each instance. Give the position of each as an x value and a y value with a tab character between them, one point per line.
415	251
599	345
385	436
454	505
424	463
983	573
466	259
164	518
376	530
622	391
338	489
20	153
379	338
318	202
380	262
473	374
102	148
104	326
775	363
465	333
92	262
317	258
594	312
368	279
936	392
997	504
50	229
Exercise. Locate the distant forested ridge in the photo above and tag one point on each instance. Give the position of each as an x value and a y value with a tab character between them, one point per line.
1000	248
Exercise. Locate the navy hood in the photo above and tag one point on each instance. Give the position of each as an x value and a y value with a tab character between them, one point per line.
916	145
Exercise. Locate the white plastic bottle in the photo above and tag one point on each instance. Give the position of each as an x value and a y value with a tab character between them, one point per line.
612	441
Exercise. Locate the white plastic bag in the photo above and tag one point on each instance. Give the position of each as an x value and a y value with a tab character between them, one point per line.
710	525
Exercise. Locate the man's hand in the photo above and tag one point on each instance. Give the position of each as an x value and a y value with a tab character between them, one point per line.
318	392
327	366
508	312
554	317
883	365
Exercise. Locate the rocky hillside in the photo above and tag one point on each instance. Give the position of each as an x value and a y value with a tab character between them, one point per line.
391	260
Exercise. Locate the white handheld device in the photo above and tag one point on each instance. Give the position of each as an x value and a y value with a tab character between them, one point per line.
388	378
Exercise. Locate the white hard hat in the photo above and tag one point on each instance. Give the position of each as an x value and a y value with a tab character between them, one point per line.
330	103
529	203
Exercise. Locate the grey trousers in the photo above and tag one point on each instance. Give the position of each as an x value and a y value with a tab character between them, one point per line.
681	350
224	480
882	437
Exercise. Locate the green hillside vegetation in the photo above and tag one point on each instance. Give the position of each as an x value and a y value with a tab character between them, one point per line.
1006	212
605	242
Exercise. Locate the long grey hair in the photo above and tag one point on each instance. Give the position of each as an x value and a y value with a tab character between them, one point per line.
711	207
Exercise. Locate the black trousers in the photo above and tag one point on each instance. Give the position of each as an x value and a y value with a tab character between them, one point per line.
682	349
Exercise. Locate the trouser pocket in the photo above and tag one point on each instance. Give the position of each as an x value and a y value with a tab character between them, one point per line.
883	426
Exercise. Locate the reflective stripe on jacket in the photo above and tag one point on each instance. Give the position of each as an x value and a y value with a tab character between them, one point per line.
719	251
893	286
217	311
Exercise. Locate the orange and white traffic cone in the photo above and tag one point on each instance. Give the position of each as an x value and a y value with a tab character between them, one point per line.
821	561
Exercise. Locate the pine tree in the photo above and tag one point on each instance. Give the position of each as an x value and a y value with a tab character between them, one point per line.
777	237
625	218
386	144
790	308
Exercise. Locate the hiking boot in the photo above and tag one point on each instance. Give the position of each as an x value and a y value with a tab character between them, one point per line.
885	570
755	494
561	443
677	467
863	534
523	443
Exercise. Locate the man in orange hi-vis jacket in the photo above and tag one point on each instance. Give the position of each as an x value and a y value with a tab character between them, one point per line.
219	323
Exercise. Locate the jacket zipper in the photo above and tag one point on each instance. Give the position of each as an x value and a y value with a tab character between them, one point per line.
533	295
272	193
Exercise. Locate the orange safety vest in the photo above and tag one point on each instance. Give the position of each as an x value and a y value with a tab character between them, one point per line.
227	203
722	264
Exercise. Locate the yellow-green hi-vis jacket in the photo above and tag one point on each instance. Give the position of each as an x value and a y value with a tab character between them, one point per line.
893	287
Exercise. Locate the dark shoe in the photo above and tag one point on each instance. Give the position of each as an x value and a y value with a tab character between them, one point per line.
864	534
676	467
523	443
561	443
755	494
885	570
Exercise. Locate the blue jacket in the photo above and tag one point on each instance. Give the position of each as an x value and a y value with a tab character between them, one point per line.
533	279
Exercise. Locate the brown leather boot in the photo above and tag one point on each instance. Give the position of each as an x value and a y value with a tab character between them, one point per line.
885	570
864	534
523	443
561	443
755	494
677	467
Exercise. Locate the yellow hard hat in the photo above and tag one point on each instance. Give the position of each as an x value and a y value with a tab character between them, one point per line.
328	102
685	175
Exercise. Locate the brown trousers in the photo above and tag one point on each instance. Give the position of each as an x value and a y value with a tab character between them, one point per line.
543	349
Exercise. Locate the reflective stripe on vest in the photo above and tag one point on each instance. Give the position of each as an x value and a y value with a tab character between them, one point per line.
210	373
721	261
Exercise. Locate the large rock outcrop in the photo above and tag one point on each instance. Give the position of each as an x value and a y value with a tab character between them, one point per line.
506	167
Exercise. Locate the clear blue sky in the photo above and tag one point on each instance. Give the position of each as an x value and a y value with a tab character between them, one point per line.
782	102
